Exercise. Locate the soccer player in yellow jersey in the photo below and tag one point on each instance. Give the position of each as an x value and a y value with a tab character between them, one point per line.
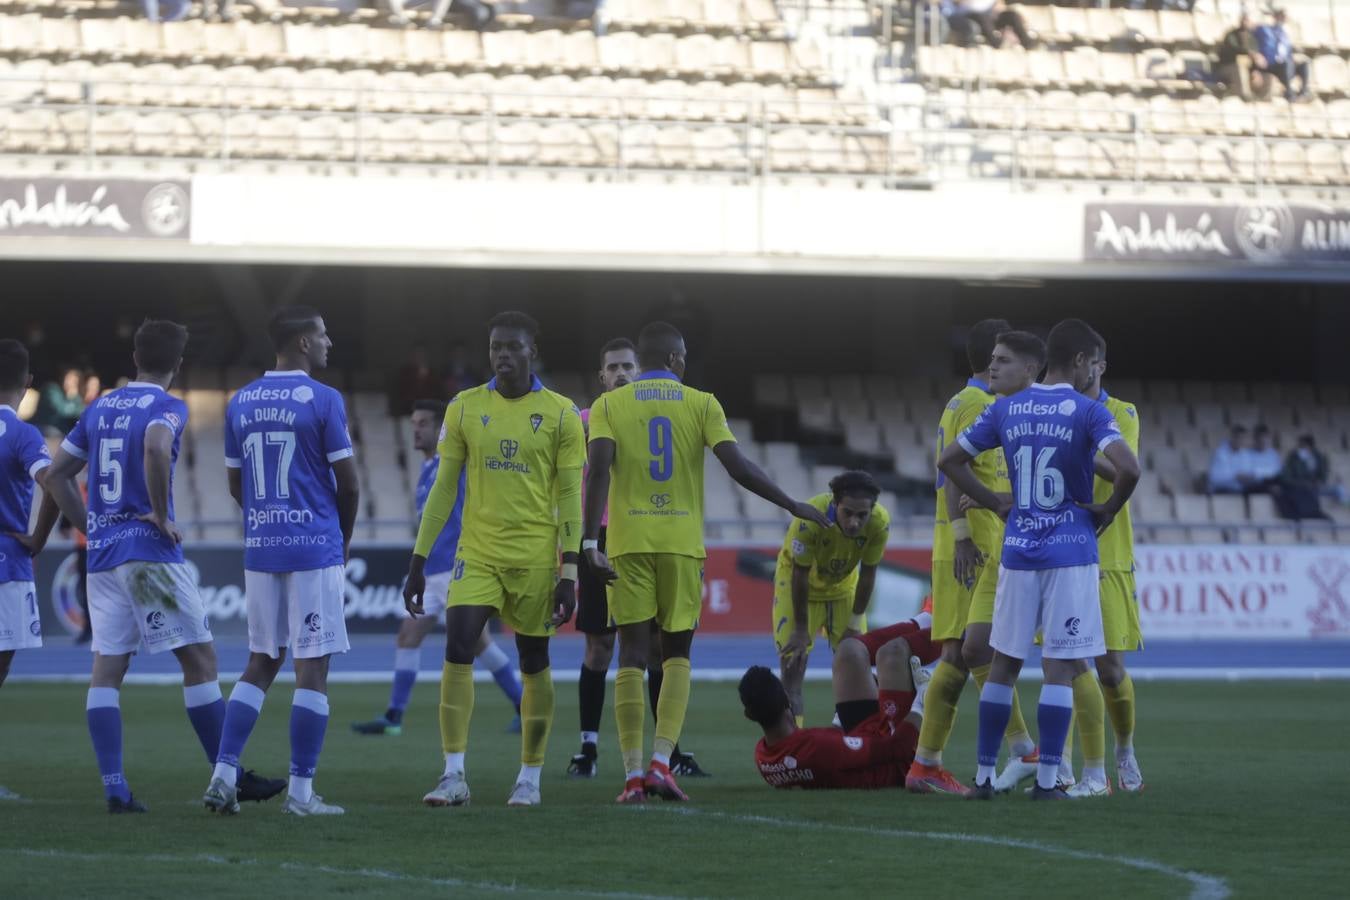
966	548
522	449
1120	622
646	456
825	576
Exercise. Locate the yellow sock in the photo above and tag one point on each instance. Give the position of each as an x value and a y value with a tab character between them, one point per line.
672	706
536	716
939	712
1019	739
1120	707
630	714
456	706
1090	711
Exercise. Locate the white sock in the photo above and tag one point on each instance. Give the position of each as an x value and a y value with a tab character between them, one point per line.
983	774
1094	773
1065	769
662	759
529	775
407	659
493	657
454	764
1125	747
226	773
591	737
1047	776
635	774
301	789
923	620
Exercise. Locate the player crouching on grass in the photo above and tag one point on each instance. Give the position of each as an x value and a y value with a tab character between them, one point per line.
879	718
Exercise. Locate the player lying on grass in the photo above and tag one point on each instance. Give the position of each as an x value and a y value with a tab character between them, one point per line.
879	717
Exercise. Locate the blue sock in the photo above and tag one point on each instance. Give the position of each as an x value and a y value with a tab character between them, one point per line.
104	713
995	711
241	714
309	721
406	663
206	712
495	660
1052	720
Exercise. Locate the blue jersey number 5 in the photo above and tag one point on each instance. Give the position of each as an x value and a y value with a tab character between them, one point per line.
660	434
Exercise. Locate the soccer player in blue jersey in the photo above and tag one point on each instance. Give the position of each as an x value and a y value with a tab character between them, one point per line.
1050	434
427	416
140	590
290	466
23	461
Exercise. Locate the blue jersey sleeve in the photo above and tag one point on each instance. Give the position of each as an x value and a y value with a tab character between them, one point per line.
31	450
337	443
172	414
233	456
983	434
77	442
1101	426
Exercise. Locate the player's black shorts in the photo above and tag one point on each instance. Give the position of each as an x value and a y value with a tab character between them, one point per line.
592	604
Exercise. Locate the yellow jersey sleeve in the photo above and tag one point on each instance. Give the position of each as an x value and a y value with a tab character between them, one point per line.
441	501
597	426
571	457
715	428
878	533
1115	547
989	467
801	542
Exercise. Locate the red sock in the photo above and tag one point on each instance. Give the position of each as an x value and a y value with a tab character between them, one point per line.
895	704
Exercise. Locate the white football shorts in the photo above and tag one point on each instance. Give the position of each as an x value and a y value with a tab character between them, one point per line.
437	592
300	610
154	602
20	625
1063	604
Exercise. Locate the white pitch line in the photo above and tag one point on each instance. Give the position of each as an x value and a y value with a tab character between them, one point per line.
1203	887
301	868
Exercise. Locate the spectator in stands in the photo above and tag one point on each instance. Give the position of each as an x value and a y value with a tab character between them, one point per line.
167	10
60	405
1264	461
1305	473
1230	469
478	13
1238	56
461	374
224	9
415	379
1277	50
992	17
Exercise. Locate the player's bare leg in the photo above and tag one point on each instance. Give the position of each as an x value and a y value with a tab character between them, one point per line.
591	695
463	628
536	717
1023	758
1119	691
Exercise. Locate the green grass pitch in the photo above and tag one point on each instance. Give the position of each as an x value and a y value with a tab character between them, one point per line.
1247	796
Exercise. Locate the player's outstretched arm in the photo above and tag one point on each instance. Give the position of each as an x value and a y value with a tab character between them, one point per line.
436	512
48	514
1126	464
348	500
600	458
157	460
955	464
569	524
862	596
756	481
61	486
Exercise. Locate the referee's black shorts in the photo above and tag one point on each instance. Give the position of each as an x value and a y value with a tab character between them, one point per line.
592	604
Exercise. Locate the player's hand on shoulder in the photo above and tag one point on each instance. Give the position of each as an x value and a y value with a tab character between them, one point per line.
413	589
167	527
30	542
1102	517
808	513
564	601
599	564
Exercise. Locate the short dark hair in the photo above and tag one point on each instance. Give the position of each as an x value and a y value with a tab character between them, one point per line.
763	696
656	342
291	322
1024	343
1070	338
854	483
614	345
159	345
13	365
513	319
981	339
432	406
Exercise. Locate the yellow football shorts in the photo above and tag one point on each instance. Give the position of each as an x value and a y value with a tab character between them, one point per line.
955	606
1120	611
666	587
522	597
827	617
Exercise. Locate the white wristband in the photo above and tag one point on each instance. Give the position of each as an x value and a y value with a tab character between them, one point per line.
590	545
960	529
568	572
858	622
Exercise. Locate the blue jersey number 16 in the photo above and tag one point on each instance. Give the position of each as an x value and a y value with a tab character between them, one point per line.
660	434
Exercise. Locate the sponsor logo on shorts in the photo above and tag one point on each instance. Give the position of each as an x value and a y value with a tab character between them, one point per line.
206	623
313	622
853	743
1071	625
160	628
790	762
155	620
